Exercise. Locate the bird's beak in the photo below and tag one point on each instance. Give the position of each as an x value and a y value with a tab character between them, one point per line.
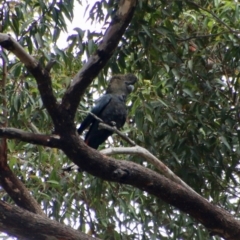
130	88
130	81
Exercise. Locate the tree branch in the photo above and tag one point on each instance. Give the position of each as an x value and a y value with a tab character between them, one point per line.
109	169
25	225
97	61
64	115
16	189
39	139
9	43
122	135
110	128
149	158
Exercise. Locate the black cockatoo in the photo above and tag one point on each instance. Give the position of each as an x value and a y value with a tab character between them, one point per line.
111	108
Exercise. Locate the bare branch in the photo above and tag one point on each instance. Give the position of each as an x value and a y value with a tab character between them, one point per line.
39	139
150	158
92	114
33	127
44	82
96	62
122	135
6	41
110	128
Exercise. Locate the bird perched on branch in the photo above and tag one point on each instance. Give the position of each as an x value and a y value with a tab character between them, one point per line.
111	108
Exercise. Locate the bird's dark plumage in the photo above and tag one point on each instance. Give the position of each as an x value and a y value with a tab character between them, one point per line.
111	107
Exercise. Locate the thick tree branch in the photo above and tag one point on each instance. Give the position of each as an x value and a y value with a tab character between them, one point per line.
16	189
92	161
97	61
25	225
84	77
39	139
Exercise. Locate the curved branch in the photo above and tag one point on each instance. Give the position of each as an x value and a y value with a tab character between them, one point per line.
92	161
141	152
97	61
39	139
9	43
17	190
25	225
150	158
44	83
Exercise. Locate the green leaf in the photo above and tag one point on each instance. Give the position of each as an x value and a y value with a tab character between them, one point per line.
225	142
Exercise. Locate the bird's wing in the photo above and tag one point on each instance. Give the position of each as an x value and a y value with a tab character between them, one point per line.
101	103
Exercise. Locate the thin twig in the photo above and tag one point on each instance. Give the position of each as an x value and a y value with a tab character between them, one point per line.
215	16
201	36
92	114
122	135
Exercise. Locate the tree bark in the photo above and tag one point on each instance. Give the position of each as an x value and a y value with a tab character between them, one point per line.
26	225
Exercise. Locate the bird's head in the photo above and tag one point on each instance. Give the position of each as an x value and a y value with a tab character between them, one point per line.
122	84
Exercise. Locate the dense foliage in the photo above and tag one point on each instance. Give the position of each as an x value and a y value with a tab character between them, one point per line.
185	109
